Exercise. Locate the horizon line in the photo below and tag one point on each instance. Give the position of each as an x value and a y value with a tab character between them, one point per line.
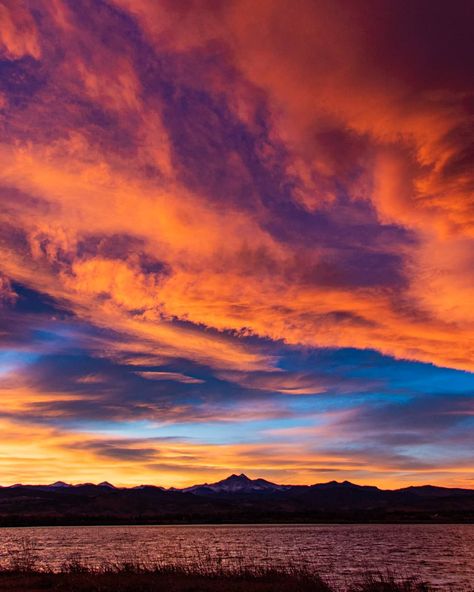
60	483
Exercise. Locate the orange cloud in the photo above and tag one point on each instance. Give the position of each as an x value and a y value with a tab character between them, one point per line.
326	67
18	34
34	454
7	294
225	271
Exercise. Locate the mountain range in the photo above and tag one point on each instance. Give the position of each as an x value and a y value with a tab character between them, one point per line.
235	499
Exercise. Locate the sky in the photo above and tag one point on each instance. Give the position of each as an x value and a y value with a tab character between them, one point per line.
237	236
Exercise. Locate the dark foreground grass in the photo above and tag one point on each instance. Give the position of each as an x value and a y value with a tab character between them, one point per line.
131	578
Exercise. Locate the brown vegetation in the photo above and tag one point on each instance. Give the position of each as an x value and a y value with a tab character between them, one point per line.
131	578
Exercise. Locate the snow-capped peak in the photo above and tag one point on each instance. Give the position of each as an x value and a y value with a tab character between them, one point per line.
236	484
106	484
59	485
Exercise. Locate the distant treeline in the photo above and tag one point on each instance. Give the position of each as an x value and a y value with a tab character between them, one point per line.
369	517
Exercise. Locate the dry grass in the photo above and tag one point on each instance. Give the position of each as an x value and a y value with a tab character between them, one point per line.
125	579
134	577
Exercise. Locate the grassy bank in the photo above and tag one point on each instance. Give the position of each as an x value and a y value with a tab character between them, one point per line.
131	578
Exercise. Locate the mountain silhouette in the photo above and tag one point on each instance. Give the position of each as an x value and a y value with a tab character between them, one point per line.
236	484
237	498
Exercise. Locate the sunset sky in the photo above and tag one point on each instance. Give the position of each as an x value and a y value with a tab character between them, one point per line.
237	236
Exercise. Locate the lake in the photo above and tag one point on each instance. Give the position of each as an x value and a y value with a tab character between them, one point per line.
440	554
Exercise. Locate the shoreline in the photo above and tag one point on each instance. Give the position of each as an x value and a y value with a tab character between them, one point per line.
78	523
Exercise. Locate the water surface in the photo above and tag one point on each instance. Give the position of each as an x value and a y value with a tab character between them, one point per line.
440	554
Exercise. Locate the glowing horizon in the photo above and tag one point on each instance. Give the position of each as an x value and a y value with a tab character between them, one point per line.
236	237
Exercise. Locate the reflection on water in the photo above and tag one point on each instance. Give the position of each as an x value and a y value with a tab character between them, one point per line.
440	554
